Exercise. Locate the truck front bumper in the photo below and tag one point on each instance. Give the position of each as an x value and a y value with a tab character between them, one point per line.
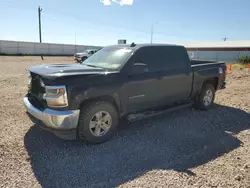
61	123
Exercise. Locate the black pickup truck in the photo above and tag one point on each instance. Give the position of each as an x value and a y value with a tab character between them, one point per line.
86	100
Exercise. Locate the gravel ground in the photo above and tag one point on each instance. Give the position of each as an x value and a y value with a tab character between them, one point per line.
186	148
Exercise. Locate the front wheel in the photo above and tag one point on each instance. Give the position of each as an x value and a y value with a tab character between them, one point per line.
206	97
83	58
97	122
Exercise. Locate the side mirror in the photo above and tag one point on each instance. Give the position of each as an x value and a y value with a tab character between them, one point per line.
139	68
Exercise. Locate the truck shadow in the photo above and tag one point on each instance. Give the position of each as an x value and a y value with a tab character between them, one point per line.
178	141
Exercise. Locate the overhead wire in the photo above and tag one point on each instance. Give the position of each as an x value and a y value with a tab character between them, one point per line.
64	13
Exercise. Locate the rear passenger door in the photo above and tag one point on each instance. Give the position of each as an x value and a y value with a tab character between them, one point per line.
168	78
175	74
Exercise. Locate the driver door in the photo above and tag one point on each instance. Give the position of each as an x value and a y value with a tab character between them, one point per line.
141	87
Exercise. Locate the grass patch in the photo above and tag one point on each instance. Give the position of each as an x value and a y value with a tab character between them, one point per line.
237	65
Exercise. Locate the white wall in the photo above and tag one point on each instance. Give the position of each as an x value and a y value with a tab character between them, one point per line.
33	48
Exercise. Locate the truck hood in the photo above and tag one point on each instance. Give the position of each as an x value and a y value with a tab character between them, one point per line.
60	70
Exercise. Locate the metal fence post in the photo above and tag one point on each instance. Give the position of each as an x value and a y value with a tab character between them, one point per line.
197	53
17	44
48	49
62	49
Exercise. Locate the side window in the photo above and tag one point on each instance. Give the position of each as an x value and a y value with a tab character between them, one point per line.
176	58
160	58
148	56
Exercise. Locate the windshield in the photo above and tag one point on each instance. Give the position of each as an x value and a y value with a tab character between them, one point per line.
109	58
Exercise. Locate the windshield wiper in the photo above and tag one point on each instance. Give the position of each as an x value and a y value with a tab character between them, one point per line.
95	66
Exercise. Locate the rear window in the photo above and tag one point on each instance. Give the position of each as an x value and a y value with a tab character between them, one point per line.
160	58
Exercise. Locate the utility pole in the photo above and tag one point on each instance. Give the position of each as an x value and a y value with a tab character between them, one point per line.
75	41
152	31
40	30
39	18
75	37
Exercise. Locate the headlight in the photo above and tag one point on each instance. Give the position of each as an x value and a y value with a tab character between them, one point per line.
56	96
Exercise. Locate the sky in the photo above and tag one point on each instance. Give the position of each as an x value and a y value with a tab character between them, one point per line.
103	22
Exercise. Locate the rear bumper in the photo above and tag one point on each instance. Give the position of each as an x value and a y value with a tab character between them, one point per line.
58	122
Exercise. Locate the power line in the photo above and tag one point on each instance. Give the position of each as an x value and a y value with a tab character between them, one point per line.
67	14
18	5
55	11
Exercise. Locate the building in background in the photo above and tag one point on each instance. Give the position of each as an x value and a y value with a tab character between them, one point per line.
122	41
220	51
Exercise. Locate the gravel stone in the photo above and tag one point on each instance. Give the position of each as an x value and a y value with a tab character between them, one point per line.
186	148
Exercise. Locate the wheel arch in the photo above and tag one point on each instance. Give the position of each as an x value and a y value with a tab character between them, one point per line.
213	80
107	98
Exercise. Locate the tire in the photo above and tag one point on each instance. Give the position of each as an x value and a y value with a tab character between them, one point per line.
83	58
88	117
206	98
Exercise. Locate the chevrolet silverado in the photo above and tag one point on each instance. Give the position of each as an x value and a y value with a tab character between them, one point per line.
86	100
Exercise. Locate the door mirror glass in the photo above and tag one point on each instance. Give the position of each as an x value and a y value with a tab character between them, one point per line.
139	68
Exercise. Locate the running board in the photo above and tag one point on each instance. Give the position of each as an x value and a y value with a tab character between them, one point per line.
152	113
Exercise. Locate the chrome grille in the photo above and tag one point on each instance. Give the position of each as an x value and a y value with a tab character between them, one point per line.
36	88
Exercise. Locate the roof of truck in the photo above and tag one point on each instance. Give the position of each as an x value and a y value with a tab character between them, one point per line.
136	46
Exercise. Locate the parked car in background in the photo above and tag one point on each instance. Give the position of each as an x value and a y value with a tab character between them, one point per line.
86	101
82	56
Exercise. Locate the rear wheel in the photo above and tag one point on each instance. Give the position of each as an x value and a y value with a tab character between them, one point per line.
97	122
206	97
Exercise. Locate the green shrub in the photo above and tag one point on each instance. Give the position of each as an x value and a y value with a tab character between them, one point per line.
244	59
